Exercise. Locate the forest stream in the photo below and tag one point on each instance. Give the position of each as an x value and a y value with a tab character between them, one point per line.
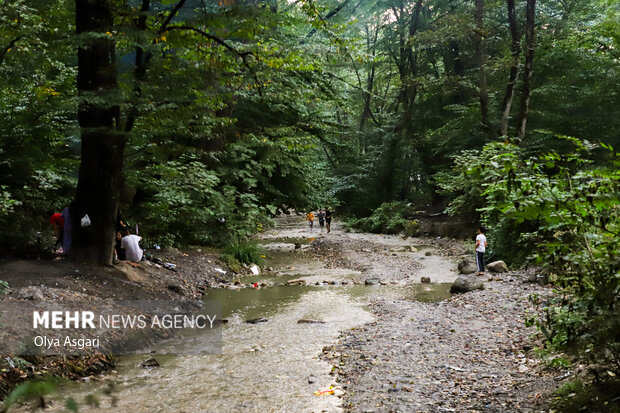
274	365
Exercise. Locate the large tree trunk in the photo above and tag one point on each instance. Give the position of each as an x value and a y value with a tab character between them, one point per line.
515	48
527	71
100	173
371	42
482	76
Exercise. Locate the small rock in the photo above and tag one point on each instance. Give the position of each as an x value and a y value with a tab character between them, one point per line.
30	293
466	284
309	321
311	380
425	280
296	281
428	253
372	281
151	362
497	266
257	320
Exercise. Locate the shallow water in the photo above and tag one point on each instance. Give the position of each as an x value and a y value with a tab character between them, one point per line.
263	367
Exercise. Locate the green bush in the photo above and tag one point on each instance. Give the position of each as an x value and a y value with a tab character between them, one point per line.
412	229
472	172
243	250
389	218
562	211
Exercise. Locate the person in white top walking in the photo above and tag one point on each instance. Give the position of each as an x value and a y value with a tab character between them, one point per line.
481	247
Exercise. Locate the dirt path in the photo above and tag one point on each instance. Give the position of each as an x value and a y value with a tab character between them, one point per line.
469	353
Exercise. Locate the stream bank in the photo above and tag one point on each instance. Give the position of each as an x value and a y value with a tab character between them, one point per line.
390	344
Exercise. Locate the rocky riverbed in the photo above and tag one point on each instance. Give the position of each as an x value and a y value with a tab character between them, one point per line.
471	352
393	339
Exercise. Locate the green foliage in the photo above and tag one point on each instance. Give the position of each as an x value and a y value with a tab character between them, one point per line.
4	287
563	211
463	185
225	126
71	405
7	204
29	390
36	108
389	218
243	250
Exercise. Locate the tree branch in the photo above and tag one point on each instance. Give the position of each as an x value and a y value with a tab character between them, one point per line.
173	13
9	46
221	42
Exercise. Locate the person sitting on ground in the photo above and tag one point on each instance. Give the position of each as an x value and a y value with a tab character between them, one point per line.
131	244
481	245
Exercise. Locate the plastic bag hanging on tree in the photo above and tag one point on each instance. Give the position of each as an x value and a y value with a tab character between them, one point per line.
85	221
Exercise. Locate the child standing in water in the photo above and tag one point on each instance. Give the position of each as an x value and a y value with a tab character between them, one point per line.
480	249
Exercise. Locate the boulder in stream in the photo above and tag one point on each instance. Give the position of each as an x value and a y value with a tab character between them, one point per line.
466	284
372	281
296	281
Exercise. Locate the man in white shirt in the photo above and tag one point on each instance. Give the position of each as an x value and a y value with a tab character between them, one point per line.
131	244
481	246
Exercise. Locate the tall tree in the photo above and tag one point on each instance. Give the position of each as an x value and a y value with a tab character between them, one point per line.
102	141
515	49
480	58
530	45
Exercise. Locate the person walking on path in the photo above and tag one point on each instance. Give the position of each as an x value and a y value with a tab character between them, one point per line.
328	220
310	219
480	249
321	216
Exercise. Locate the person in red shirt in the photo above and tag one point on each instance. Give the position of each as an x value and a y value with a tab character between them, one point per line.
58	222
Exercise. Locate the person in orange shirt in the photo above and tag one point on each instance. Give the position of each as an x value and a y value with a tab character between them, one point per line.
310	219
